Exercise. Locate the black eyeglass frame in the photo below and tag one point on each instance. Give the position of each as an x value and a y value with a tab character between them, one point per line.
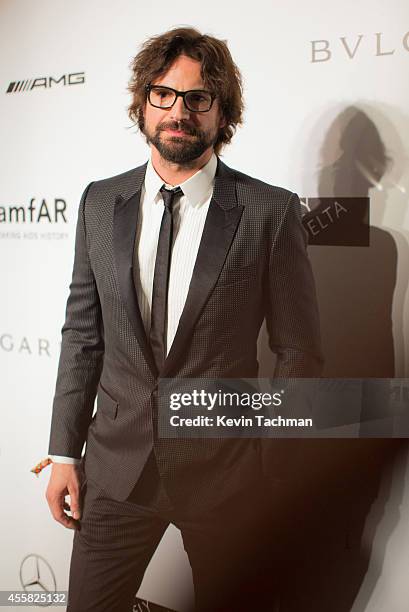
182	94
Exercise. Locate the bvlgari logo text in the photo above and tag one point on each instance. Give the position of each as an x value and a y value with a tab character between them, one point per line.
46	82
28	345
38	211
353	46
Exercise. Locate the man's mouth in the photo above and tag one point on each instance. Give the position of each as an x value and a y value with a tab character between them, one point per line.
176	132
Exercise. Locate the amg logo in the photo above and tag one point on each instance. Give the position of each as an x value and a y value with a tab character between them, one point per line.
74	78
323	50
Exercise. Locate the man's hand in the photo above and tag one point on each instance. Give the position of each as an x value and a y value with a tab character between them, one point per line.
64	480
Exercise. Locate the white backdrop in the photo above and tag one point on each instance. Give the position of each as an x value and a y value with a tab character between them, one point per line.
57	139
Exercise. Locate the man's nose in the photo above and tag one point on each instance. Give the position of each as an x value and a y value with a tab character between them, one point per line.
179	110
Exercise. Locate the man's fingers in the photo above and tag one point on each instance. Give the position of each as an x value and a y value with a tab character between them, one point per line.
74	494
65	520
56	504
64	480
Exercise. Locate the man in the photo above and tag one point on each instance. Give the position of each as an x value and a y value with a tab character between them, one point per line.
173	284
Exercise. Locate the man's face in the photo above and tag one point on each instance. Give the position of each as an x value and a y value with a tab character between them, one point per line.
179	135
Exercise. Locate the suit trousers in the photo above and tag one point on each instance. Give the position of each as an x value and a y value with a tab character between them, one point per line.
116	541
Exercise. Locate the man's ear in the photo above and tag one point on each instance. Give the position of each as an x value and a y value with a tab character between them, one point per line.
222	121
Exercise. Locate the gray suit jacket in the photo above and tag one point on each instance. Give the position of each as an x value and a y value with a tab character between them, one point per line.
251	265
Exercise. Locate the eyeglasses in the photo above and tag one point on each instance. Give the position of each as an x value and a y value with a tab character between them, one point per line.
196	100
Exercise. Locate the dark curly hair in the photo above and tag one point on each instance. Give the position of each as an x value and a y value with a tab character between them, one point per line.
219	73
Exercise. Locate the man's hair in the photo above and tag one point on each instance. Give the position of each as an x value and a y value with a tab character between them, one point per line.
219	73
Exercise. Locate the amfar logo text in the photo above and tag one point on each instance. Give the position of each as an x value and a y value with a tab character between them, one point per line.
38	211
74	78
351	46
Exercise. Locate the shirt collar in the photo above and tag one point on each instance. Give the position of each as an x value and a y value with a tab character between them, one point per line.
196	188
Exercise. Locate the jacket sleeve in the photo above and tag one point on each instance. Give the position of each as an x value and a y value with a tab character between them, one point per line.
291	306
82	352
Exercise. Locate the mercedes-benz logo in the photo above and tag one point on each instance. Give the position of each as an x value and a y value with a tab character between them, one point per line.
36	574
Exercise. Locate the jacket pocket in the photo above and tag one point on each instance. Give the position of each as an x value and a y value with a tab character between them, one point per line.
106	404
233	276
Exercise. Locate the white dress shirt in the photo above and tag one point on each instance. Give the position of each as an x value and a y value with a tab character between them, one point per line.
189	216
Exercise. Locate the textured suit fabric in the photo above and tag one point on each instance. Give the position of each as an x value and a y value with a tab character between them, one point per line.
251	265
117	540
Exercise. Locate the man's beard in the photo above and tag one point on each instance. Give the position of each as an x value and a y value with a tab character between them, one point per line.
179	149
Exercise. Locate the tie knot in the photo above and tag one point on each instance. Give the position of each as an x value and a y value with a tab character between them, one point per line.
169	195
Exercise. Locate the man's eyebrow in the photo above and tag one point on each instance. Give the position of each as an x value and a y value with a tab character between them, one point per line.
203	88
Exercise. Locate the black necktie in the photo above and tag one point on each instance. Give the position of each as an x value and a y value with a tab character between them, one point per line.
158	330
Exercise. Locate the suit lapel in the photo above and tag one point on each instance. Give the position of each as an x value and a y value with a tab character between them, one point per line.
220	227
124	232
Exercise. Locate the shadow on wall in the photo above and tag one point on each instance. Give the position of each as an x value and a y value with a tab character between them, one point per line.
337	487
356	285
